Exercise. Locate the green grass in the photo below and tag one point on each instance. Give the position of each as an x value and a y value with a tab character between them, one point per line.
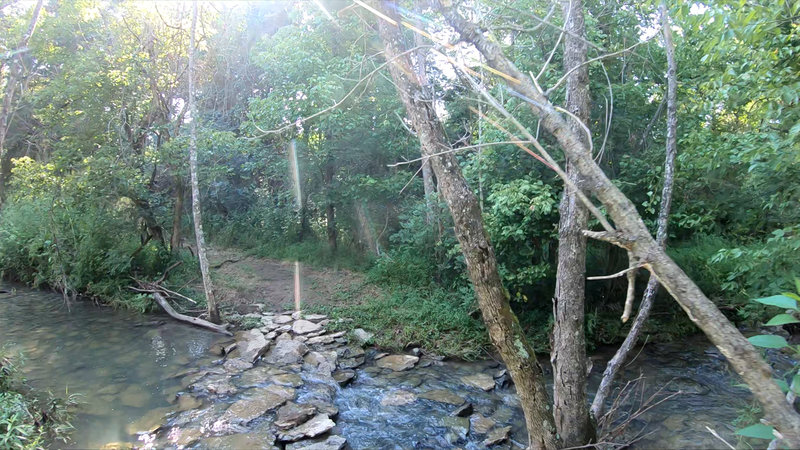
433	319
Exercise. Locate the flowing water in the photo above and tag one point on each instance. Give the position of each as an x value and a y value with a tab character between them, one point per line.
128	366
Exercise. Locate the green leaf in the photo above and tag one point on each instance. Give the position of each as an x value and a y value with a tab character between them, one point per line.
782	319
782	384
780	301
758	431
768	341
797	285
796	383
791	295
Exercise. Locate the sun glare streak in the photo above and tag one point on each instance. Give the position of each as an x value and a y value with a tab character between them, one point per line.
295	169
324	10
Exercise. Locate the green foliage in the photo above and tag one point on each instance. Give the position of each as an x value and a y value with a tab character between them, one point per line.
437	320
28	420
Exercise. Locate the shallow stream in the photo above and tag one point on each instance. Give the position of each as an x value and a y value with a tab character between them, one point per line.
129	366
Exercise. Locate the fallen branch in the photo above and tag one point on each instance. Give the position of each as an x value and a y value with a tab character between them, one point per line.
188	319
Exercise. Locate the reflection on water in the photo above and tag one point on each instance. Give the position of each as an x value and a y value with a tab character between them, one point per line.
124	364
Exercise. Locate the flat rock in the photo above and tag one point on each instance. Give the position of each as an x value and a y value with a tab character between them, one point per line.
150	422
287	379
236	365
286	351
292	414
184	437
322	339
479	380
481	424
316	317
496	436
239	441
318	425
351	363
282	320
442	396
344	377
187	402
304	326
331	443
397	362
259	402
350	351
251	344
459	425
398	398
362	336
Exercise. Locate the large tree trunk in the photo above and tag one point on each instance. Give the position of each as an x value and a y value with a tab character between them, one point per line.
213	311
632	234
612	368
6	110
568	354
504	330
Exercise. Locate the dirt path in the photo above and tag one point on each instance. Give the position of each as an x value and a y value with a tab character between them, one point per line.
241	280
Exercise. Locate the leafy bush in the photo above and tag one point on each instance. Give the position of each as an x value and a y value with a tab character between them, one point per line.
26	421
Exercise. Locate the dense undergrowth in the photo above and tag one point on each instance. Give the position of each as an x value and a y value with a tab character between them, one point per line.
29	419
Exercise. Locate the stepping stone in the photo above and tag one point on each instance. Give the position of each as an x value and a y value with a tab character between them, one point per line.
291	414
262	400
481	424
320	424
331	443
397	362
496	436
479	380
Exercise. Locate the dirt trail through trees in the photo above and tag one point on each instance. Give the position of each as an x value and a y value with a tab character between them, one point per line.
242	280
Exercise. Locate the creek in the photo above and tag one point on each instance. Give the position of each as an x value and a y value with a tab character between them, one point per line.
135	372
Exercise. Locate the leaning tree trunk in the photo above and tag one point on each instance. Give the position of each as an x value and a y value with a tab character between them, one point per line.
632	234
213	311
13	78
177	215
612	368
504	329
568	354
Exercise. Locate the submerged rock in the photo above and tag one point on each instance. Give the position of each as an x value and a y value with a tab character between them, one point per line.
479	380
397	362
292	414
459	425
134	396
442	396
398	398
255	439
331	443
259	402
320	424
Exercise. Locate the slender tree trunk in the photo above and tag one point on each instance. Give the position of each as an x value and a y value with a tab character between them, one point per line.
330	216
6	110
632	234
610	373
568	354
504	329
177	214
427	175
213	311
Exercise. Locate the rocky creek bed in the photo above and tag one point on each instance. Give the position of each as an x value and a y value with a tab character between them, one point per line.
290	383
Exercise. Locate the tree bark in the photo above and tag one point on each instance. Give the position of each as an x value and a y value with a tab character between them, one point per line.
504	329
568	353
213	311
632	234
330	218
6	110
612	368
